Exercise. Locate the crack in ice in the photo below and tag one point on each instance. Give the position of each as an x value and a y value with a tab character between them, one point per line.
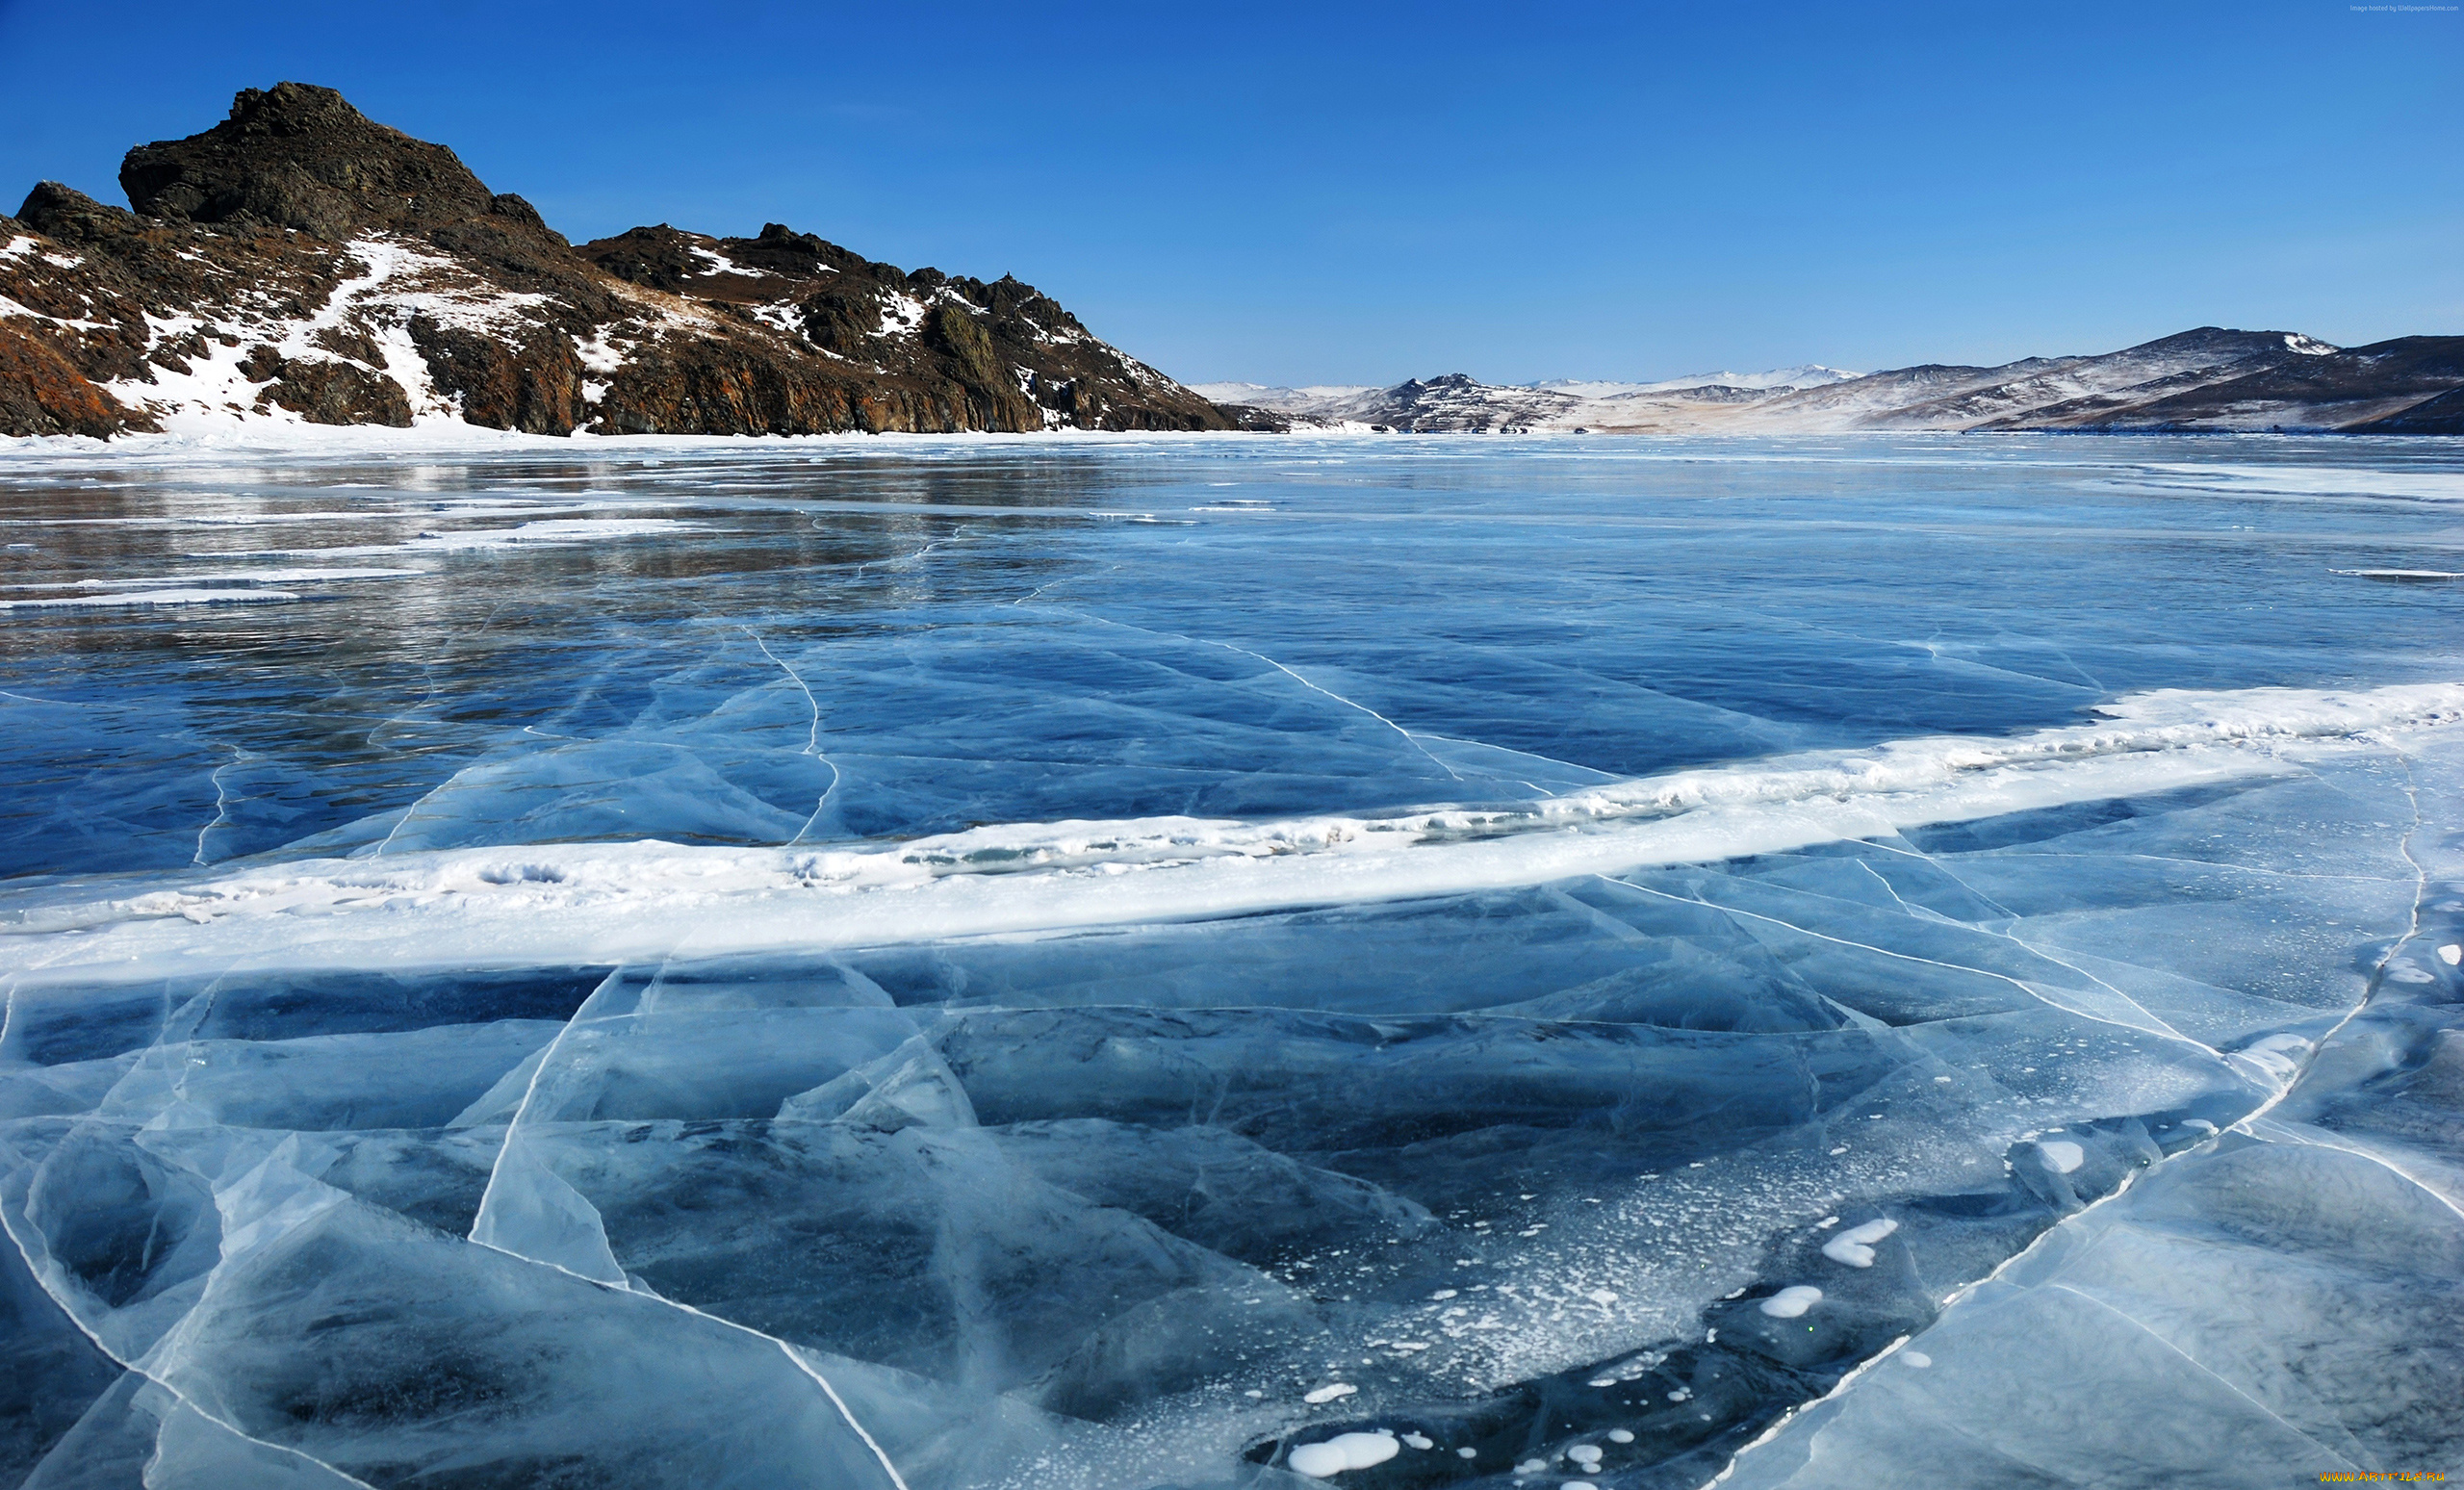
2198	1365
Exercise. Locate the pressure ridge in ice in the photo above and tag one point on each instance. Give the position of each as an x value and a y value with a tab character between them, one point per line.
555	902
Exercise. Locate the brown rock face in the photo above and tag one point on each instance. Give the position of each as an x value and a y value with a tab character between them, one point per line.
531	382
314	236
323	391
718	386
922	351
41	392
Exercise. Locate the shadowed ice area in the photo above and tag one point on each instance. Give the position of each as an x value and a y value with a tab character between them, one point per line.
1232	962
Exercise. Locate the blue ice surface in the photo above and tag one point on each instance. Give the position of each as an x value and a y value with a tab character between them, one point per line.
2140	1077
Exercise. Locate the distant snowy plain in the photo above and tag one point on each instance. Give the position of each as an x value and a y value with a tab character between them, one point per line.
1118	961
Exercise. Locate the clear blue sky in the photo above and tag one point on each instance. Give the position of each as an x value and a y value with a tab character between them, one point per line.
1334	192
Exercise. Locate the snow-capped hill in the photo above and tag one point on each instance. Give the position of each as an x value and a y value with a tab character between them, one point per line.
2208	378
1452	403
1282	400
301	262
1808	375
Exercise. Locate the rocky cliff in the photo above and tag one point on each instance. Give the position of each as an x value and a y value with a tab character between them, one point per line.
299	261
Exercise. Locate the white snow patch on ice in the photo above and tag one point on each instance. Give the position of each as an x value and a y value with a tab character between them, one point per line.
2063	1155
146	599
1328	1393
1340	1453
2275	1059
2300	481
548	530
249	576
1792	1302
1854	1247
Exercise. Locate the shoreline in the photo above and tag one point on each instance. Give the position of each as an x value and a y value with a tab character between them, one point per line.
286	440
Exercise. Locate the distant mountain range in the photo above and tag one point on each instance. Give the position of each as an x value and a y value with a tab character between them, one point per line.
2205	380
301	262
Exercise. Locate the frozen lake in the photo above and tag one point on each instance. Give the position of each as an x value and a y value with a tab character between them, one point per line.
1108	963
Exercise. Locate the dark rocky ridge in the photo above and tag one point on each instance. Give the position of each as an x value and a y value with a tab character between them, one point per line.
301	257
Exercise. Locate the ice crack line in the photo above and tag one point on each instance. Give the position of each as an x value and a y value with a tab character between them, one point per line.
2161	1030
813	737
2377	970
910	559
2275	1132
513	1128
2020	942
2130	1179
1340	698
1261	656
2201	1367
181	1398
221	802
1038	590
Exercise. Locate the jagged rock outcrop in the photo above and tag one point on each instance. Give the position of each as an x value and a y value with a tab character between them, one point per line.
920	350
302	260
296	156
326	390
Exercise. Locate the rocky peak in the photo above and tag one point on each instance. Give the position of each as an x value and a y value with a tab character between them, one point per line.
2223	343
71	217
297	156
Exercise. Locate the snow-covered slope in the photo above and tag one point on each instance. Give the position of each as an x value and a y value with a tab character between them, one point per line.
1807	376
1283	401
2210	378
